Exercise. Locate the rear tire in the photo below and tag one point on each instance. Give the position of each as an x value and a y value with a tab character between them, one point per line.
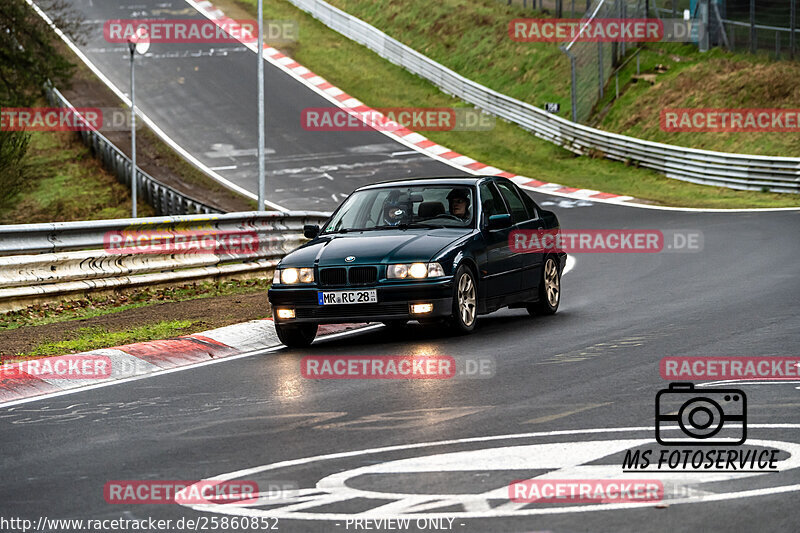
549	289
296	336
465	301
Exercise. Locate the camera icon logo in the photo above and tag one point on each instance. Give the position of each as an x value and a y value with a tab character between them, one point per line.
708	417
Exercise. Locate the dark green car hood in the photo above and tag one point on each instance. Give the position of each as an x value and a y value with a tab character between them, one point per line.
373	247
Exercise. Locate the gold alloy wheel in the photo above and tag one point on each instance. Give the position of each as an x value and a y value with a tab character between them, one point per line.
552	284
466	299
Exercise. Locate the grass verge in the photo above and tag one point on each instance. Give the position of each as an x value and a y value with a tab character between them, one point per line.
66	183
376	82
134	316
94	338
91	306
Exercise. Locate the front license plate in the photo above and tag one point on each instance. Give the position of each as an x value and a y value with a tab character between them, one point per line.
347	297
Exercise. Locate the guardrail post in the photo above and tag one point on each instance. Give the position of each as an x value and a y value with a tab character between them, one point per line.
574	87
574	95
704	26
752	26
792	24
600	77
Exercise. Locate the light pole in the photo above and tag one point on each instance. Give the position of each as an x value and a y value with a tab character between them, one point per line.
138	43
260	55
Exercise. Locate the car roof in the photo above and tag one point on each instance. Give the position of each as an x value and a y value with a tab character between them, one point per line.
444	180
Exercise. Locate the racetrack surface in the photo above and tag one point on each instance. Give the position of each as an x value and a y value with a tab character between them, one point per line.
203	96
594	365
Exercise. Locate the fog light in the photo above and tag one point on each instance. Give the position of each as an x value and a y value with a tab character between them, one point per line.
421	309
285	313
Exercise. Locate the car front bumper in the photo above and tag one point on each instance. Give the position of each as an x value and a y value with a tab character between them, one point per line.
394	303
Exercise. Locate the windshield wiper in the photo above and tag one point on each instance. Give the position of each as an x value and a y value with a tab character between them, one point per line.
406	225
424	225
402	226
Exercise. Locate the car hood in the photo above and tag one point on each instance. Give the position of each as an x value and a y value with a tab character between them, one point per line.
373	247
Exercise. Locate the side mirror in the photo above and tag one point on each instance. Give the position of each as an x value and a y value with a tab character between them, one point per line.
499	221
310	231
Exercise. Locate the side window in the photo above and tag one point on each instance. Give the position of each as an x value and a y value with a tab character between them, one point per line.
518	211
533	209
491	203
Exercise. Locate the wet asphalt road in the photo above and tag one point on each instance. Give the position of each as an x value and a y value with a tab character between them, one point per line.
594	365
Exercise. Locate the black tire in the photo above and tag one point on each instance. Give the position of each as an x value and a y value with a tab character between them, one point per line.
296	336
549	289
465	301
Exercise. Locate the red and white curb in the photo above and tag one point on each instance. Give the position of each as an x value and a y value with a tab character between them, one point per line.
397	132
19	381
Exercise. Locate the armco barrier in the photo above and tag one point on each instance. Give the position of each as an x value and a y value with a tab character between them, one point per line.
163	198
735	171
47	262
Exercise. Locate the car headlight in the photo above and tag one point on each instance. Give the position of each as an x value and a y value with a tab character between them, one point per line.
415	271
306	275
291	276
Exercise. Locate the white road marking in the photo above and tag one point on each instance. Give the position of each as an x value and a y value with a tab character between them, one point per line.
558	454
570	264
744	382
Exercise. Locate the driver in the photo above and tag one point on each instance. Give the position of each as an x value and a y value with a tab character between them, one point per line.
459	203
394	210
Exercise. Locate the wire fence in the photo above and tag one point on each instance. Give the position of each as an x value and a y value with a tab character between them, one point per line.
766	26
592	63
562	8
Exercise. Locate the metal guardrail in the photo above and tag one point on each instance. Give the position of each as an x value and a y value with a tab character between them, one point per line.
48	262
735	171
163	198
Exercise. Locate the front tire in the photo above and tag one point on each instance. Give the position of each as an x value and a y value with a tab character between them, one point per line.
296	336
549	289
465	301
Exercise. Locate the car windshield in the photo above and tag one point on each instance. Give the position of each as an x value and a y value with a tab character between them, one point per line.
434	206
